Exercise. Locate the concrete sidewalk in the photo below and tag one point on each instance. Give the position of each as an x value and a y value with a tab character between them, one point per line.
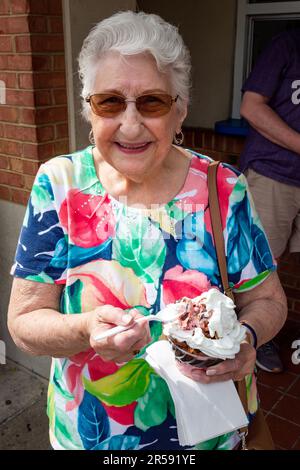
23	420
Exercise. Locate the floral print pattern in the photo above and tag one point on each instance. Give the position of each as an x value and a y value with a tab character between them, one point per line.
104	252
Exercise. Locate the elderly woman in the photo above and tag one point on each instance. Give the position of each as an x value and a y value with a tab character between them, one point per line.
119	230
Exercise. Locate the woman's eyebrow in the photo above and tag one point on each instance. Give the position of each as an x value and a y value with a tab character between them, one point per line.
145	92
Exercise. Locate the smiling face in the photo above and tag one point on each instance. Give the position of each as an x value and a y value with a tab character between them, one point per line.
134	145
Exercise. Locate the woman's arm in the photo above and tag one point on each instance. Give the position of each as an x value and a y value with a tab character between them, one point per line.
38	328
264	308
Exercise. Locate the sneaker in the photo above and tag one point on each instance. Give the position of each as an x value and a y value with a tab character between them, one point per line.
267	358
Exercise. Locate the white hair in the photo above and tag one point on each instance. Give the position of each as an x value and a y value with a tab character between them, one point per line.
131	33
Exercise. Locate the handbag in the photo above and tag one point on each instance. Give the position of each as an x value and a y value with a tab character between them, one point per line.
256	436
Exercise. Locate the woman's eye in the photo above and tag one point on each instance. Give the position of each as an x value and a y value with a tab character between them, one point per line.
112	100
152	100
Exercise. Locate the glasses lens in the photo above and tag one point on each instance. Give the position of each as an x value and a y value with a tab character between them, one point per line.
154	105
107	105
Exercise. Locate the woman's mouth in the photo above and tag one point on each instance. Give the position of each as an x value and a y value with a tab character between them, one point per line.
133	148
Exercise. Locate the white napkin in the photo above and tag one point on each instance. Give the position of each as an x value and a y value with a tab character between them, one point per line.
203	411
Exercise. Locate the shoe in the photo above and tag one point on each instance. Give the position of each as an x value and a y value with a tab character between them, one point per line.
267	358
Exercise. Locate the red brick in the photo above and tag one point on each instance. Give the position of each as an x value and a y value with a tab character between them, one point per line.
292	293
4	7
6	44
59	62
46	151
19	6
30	151
9	114
284	433
11	179
55	7
26	80
61	131
45	133
28	181
30	167
42	97
54	114
48	43
1	129
61	147
41	62
20	197
49	80
38	6
16	165
5	193
297	306
23	43
37	24
20	97
4	162
3	62
9	78
24	133
27	115
55	24
18	62
10	148
14	25
209	139
60	96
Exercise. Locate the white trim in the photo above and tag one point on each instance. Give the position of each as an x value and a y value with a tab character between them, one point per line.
69	74
245	14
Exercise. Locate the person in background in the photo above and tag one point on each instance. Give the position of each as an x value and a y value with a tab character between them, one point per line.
271	156
119	230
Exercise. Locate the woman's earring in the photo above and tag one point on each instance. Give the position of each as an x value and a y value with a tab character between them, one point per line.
91	137
179	138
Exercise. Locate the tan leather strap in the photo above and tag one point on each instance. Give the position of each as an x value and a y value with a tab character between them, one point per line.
216	224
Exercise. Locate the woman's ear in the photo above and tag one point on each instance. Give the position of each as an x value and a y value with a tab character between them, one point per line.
181	117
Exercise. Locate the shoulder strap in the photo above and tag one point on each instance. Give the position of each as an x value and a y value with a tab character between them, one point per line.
216	224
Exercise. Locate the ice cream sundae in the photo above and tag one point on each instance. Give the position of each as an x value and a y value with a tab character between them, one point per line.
208	331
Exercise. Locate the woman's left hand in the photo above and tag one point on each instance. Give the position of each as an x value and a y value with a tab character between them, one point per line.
230	369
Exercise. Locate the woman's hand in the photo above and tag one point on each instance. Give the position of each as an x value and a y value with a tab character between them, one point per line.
231	369
123	346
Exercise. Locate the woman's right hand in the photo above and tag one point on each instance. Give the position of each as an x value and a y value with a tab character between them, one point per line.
123	346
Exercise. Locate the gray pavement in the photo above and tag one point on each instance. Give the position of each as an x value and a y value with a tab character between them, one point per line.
23	420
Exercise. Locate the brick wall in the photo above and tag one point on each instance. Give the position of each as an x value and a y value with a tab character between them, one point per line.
33	120
228	149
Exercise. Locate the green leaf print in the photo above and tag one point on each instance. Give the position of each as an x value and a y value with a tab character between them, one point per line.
152	408
124	386
139	245
50	405
42	277
71	298
65	431
59	384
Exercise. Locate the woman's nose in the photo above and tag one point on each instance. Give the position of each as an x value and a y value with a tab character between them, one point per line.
131	121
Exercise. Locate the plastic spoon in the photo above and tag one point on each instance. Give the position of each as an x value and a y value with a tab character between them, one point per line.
168	314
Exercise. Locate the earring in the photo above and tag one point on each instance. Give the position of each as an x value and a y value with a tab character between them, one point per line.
91	137
178	138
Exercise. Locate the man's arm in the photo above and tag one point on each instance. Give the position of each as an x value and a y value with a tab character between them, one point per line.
264	120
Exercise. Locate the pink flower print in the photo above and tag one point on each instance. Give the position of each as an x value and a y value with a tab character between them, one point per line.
178	283
121	414
87	218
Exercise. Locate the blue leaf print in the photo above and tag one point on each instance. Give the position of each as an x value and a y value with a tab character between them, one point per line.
93	424
119	442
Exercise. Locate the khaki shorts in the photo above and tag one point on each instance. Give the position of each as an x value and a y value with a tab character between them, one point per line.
278	206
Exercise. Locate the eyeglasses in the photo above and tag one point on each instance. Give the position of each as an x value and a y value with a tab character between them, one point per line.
148	105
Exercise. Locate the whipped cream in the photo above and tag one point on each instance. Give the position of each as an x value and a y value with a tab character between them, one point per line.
223	324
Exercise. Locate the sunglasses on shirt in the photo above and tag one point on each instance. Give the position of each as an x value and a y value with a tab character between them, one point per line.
148	105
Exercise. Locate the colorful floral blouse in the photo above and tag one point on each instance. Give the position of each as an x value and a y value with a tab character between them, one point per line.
104	252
